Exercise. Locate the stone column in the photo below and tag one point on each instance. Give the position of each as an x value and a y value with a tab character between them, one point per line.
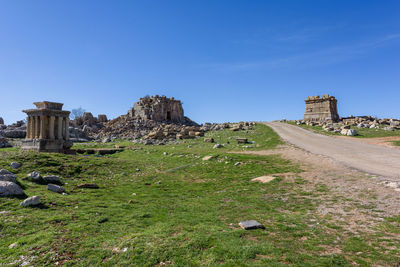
67	128
28	127
42	134
51	127
37	127
60	127
32	127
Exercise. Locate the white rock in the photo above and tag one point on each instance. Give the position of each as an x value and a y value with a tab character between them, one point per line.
352	132
10	189
31	201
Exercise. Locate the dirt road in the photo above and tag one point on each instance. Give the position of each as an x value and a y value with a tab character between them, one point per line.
374	159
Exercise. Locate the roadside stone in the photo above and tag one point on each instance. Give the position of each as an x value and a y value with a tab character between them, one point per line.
15	165
10	189
31	201
263	179
55	188
7	176
251	224
352	132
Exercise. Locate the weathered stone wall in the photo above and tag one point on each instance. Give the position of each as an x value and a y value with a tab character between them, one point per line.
321	108
158	108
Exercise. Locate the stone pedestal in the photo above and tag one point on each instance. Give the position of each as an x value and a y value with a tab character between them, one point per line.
48	128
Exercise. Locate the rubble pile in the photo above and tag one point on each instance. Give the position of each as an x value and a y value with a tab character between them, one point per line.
343	126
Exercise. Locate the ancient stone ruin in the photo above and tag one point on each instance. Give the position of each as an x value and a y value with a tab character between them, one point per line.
321	109
159	109
47	128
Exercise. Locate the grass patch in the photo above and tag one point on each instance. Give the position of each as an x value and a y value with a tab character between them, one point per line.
176	210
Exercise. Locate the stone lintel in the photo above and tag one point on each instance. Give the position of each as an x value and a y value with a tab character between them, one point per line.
48	105
47	112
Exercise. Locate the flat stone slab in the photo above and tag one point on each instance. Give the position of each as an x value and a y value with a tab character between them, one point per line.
251	224
55	188
263	179
207	158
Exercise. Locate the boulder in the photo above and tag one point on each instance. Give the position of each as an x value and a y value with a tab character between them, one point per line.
4	143
10	189
55	188
351	132
35	177
31	201
7	176
14	133
15	165
52	179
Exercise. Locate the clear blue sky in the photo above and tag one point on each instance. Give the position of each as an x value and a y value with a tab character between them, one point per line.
226	60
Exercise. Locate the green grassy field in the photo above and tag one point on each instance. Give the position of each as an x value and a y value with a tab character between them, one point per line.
179	210
362	132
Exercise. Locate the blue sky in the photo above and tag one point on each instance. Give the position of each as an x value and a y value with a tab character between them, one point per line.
226	60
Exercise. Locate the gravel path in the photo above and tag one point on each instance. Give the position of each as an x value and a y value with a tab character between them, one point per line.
379	160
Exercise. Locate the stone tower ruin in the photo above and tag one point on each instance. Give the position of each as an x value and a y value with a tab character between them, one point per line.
158	108
321	109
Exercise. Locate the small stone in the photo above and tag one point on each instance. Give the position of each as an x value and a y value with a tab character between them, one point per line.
91	186
31	201
209	140
217	146
15	165
251	224
241	140
138	170
165	153
263	179
237	163
13	245
207	158
55	188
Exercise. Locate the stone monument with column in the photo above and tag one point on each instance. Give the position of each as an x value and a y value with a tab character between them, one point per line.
47	128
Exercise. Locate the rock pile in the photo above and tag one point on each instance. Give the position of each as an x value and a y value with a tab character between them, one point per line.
15	130
344	124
